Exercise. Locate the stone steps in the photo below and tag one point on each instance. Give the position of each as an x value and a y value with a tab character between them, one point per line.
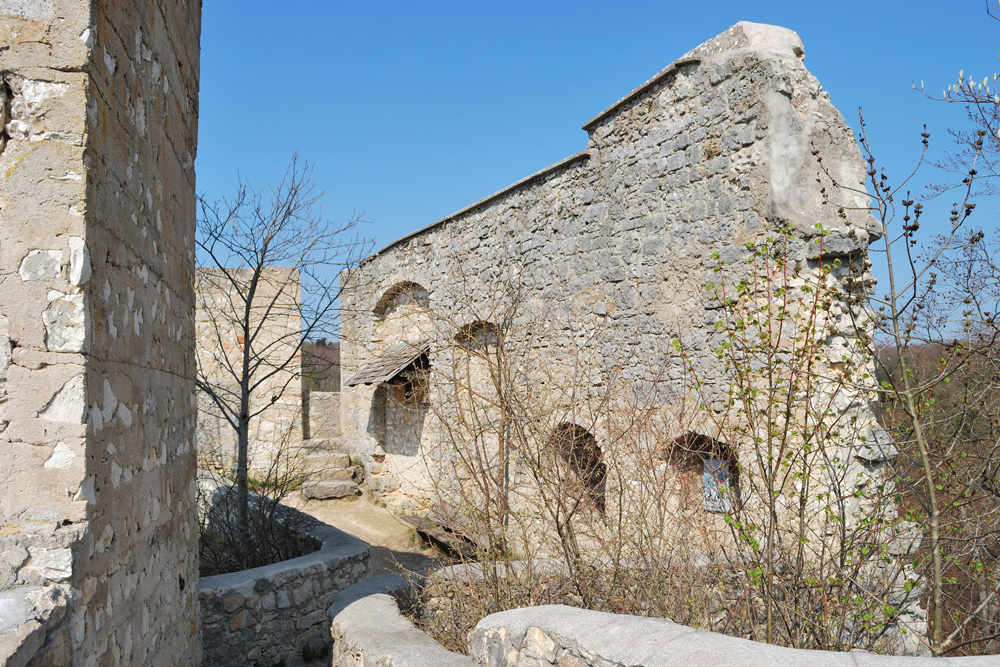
328	470
323	461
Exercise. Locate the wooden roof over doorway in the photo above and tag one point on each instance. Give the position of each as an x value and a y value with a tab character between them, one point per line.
390	363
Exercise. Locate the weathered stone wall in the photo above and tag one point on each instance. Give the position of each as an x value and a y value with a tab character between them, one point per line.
275	331
609	251
97	213
266	615
324	414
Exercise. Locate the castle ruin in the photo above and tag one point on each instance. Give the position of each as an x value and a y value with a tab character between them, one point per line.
607	253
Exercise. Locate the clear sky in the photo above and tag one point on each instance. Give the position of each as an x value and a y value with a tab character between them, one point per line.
413	110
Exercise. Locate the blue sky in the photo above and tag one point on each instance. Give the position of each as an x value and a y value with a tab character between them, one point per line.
411	111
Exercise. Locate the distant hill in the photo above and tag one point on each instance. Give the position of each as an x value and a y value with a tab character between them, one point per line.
321	366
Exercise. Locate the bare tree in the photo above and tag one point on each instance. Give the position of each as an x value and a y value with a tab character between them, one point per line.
270	280
933	336
978	146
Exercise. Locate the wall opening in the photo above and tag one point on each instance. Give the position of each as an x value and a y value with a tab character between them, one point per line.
588	473
399	408
708	471
403	293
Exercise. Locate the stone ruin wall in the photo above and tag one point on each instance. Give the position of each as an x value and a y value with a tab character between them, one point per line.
98	557
277	432
613	246
324	414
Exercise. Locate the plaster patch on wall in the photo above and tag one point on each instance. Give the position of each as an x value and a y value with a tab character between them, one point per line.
66	323
96	421
125	415
61	457
36	92
104	541
33	10
86	491
110	403
79	261
41	265
5	351
69	404
109	62
52	564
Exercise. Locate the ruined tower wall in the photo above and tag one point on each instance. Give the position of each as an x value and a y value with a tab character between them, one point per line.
276	333
97	207
611	249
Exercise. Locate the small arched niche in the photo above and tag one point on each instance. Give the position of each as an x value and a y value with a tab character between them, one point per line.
402	314
578	448
402	294
478	336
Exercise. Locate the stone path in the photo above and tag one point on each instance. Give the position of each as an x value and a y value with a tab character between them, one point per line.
394	545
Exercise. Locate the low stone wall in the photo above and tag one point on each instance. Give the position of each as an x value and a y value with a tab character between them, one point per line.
570	637
368	630
268	614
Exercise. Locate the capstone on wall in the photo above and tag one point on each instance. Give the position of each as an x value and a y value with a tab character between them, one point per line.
98	557
608	254
274	332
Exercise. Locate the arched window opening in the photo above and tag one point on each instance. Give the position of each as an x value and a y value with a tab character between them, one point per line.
579	448
711	464
402	293
478	335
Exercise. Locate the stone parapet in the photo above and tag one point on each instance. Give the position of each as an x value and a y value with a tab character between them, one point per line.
570	637
268	614
369	631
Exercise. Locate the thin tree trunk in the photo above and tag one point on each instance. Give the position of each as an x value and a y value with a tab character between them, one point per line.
242	491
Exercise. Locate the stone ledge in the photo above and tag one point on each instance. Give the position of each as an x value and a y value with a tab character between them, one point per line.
369	631
554	634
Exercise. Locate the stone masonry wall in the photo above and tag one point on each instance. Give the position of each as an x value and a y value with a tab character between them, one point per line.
324	414
220	345
97	214
266	615
611	249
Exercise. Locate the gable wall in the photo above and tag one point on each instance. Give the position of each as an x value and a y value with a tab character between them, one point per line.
612	248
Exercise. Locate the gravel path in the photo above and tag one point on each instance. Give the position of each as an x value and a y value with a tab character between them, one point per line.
394	545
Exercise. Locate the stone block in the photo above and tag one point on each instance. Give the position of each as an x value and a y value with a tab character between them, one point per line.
329	489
